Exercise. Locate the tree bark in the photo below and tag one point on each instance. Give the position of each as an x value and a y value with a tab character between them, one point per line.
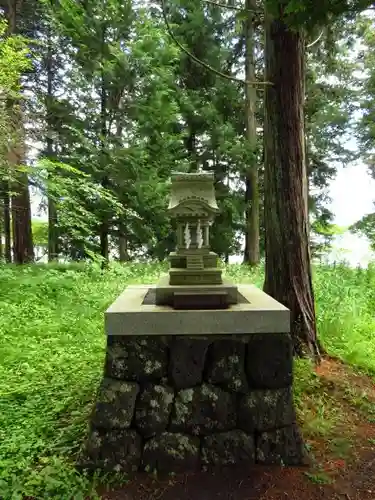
52	212
123	245
251	253
104	226
288	264
23	251
6	223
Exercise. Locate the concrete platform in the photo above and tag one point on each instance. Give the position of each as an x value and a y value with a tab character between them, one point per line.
256	312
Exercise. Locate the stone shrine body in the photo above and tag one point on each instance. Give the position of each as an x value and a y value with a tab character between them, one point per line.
198	371
194	280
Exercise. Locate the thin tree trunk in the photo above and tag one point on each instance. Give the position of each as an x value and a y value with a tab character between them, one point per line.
52	212
190	144
288	266
23	251
6	223
251	253
104	227
123	245
52	231
1	239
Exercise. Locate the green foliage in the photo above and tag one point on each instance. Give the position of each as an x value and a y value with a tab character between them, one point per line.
345	313
366	128
40	233
52	348
308	13
114	98
14	61
76	223
366	227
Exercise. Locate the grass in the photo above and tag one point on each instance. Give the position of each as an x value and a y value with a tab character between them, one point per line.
52	347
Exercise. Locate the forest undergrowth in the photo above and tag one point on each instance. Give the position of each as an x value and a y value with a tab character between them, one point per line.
52	350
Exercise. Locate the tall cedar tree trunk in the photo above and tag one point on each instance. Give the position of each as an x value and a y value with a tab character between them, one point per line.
52	212
288	265
251	253
23	250
104	227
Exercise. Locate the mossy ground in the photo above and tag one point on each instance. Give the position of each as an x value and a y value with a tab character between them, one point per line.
52	347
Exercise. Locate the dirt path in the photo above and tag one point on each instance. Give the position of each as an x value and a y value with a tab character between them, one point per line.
343	455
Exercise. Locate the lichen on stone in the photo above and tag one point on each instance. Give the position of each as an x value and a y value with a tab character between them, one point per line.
267	409
171	452
226	365
153	408
186	395
207	391
226	448
181	411
152	366
210	409
138	359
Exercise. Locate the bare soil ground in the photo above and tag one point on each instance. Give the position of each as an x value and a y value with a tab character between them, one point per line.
339	429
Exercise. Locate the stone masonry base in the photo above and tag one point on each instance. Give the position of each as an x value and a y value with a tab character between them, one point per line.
177	404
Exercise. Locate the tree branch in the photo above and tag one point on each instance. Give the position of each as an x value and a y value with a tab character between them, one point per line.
315	41
232	7
202	63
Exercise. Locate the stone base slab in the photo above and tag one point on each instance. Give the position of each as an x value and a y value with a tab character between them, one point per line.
256	312
176	404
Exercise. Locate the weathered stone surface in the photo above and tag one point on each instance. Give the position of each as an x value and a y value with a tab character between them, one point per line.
203	410
153	408
269	362
115	450
171	453
136	358
115	406
266	409
187	358
282	447
227	448
226	365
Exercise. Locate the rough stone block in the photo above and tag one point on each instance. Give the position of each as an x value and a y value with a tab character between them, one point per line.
187	358
203	410
266	409
226	365
281	447
171	453
227	448
115	406
269	361
153	408
137	358
113	451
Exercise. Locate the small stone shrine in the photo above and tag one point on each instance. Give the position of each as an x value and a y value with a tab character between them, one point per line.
198	371
194	280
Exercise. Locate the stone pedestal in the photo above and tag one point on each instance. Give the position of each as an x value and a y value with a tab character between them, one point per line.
188	394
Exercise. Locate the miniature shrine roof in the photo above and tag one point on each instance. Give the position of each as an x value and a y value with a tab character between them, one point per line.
195	188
